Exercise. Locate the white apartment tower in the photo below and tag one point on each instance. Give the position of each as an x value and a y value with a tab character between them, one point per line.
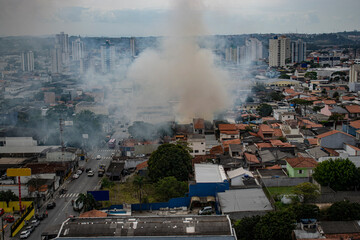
62	41
27	61
77	50
254	49
107	57
298	51
279	51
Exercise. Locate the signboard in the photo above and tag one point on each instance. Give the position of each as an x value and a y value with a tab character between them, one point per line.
100	195
14	172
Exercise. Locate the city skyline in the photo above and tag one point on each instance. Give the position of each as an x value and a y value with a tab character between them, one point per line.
145	18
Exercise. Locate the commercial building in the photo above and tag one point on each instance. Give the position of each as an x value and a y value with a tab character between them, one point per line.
279	51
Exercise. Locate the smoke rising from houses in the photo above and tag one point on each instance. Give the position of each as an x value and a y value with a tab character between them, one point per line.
180	71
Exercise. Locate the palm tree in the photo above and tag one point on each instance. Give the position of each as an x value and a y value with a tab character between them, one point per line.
139	182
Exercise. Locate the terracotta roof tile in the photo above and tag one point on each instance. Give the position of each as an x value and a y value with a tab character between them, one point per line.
331	133
263	145
217	150
353	108
227	127
229	132
199	123
355	124
313	141
142	165
226	143
300	162
251	158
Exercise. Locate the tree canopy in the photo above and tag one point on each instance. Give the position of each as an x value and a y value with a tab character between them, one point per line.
276	96
246	228
169	187
311	75
343	211
8	196
264	110
275	225
170	160
306	191
339	174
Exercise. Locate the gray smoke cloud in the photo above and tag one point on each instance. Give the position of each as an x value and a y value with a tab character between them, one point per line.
180	71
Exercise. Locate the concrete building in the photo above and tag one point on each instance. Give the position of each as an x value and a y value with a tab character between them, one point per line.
254	49
298	51
279	51
107	57
354	78
27	61
62	40
132	47
77	50
56	62
197	143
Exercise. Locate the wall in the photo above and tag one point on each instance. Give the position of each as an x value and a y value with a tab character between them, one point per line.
207	189
15	189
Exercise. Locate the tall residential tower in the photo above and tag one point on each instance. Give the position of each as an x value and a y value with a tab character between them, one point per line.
279	51
27	61
107	57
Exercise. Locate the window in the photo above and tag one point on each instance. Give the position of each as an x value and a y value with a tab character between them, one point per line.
196	151
203	150
300	171
202	143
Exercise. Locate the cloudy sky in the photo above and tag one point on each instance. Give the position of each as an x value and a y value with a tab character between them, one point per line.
149	17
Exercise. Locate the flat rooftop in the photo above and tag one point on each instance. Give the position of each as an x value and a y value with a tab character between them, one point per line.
209	173
148	227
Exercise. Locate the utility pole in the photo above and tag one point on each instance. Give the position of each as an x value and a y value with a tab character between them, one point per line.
61	124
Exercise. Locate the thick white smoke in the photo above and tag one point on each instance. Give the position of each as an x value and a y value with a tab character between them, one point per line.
181	71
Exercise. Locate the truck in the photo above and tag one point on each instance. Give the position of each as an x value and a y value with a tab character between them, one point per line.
101	170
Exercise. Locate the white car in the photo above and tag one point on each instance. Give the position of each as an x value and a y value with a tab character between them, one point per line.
90	173
75	176
24	234
98	157
79	172
35	223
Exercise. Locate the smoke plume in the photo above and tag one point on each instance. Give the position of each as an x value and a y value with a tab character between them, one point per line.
180	71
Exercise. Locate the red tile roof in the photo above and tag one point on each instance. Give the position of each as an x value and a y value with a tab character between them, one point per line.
331	133
353	108
332	152
313	141
265	128
300	162
329	102
199	123
227	127
229	132
142	165
251	158
217	150
274	167
355	124
348	98
278	133
263	145
226	143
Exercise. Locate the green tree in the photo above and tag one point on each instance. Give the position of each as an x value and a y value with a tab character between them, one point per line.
284	76
335	95
249	99
336	117
258	87
8	196
275	226
311	75
306	191
343	211
264	110
170	160
106	183
317	108
246	228
88	200
276	96
139	182
339	174
302	102
169	187
302	211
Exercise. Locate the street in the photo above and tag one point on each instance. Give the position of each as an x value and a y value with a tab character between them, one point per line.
74	187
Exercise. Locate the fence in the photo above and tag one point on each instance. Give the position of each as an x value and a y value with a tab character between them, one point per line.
18	224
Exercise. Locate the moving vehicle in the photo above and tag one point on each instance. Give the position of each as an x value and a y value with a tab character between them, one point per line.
35	222
50	205
9	218
206	210
101	170
25	234
112	143
78	205
90	173
98	157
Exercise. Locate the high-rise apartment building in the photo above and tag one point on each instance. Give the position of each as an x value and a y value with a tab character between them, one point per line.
132	47
107	57
61	50
27	61
254	49
77	50
56	60
279	51
298	51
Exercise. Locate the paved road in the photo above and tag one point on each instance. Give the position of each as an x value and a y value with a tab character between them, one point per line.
83	184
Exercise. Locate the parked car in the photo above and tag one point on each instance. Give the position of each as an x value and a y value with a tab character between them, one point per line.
50	205
35	222
25	234
206	210
98	157
90	173
79	172
88	169
75	176
9	218
30	228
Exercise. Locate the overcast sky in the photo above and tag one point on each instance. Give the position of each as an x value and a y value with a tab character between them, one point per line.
150	17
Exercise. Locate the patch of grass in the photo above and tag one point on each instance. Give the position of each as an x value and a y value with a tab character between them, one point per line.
128	193
274	191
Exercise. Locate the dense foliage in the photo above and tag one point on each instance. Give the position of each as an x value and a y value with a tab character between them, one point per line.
8	196
170	160
302	211
264	110
169	187
339	174
306	191
343	211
